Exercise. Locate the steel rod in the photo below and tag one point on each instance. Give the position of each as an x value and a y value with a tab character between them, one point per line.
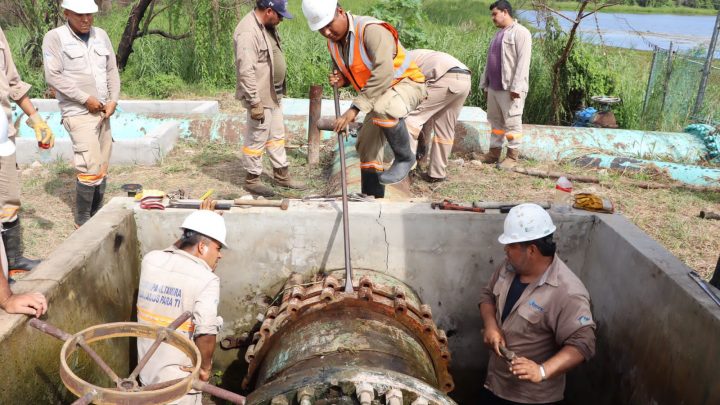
97	359
160	385
343	181
161	337
219	392
86	399
49	329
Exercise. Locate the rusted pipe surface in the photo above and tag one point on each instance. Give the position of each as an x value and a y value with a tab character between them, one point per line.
313	130
219	392
49	329
86	399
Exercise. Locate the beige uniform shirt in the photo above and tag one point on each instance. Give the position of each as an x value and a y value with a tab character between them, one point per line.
434	64
78	70
173	281
11	87
381	49
516	54
552	312
254	63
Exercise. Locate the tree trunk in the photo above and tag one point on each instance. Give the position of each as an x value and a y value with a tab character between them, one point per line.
130	33
557	67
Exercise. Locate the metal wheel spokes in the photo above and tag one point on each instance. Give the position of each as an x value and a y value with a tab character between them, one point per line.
128	390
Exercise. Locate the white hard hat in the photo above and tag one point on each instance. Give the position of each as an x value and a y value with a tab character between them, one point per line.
80	6
526	222
207	223
319	13
7	147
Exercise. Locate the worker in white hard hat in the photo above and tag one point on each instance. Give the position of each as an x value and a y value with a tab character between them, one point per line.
12	88
29	303
178	279
80	65
536	315
368	55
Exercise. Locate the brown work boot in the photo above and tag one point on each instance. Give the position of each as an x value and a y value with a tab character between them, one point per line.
511	160
255	186
282	177
492	156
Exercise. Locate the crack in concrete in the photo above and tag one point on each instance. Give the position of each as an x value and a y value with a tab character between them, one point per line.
387	245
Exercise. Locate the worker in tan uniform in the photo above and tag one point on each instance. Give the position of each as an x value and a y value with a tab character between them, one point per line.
505	83
80	65
29	303
261	84
368	55
12	88
448	85
536	315
175	280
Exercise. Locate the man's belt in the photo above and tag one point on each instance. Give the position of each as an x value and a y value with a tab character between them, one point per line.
459	70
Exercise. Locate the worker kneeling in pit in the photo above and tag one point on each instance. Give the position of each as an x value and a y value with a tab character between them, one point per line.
178	279
536	314
368	55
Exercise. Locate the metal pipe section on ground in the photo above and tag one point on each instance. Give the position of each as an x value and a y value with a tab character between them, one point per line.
689	174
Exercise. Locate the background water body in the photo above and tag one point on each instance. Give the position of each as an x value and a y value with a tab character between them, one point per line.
639	31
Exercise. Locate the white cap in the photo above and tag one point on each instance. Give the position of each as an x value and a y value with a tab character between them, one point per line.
7	147
80	6
526	222
207	223
319	13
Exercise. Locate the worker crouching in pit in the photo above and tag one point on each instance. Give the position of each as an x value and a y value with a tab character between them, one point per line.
368	55
536	314
178	279
80	65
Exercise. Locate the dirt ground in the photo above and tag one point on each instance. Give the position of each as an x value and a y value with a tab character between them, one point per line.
668	216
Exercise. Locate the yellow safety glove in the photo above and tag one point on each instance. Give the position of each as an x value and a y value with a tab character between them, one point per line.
43	133
592	202
257	112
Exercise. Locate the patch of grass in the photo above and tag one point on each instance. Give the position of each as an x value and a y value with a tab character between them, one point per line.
212	153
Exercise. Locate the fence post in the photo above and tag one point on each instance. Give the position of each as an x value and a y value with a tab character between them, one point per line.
651	76
668	73
707	67
316	92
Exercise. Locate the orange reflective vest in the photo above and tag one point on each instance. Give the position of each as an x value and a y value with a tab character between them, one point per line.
359	67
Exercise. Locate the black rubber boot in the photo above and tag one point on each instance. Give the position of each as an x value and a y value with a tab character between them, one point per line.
98	197
12	238
370	184
83	203
399	140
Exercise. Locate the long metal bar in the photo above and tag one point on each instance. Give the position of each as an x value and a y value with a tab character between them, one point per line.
693	275
161	337
706	69
219	392
100	362
64	336
343	181
160	385
86	399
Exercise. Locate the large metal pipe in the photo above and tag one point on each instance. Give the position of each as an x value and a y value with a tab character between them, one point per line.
688	174
325	344
314	136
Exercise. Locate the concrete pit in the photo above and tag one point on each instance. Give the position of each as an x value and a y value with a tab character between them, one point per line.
657	332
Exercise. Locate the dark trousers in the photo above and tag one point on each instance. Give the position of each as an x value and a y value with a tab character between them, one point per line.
715	280
488	398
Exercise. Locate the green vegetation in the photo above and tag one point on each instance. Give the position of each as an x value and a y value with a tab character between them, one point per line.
203	64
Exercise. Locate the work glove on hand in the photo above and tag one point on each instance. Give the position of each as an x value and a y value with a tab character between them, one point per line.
43	133
257	112
592	202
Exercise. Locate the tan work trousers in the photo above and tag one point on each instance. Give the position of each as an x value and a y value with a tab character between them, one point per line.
438	114
505	117
92	146
9	188
268	136
397	102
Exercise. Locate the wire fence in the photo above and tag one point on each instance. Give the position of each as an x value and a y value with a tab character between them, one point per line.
672	90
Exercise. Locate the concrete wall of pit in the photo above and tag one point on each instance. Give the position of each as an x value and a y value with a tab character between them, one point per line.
657	332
